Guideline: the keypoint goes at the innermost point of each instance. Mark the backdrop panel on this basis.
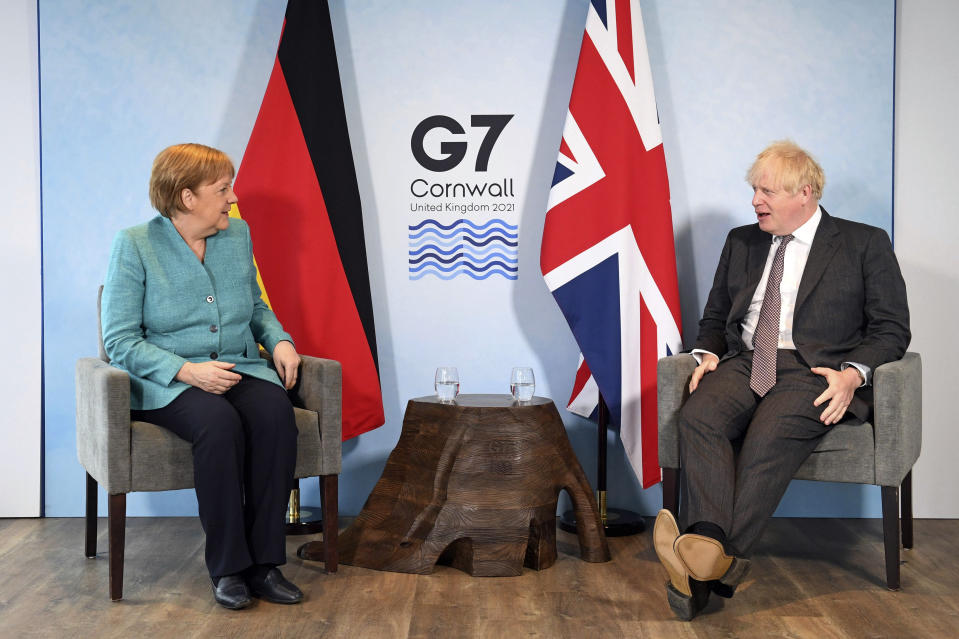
(118, 85)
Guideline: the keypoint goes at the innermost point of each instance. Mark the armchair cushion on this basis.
(124, 456)
(160, 460)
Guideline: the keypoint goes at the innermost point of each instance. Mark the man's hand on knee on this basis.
(842, 386)
(708, 365)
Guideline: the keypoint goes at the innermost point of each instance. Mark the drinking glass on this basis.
(446, 383)
(521, 383)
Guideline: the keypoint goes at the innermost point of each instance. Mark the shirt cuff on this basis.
(699, 352)
(863, 370)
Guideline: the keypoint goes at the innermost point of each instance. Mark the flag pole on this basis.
(616, 521)
(306, 520)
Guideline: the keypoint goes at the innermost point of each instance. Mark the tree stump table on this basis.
(473, 484)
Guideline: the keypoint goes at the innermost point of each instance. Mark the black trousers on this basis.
(740, 491)
(244, 456)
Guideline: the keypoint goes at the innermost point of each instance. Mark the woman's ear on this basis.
(187, 199)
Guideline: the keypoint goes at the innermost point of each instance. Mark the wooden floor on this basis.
(811, 578)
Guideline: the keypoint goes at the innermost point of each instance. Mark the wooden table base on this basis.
(473, 484)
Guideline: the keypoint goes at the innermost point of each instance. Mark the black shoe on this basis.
(274, 587)
(230, 591)
(726, 585)
(722, 590)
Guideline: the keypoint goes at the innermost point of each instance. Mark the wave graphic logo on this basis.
(463, 248)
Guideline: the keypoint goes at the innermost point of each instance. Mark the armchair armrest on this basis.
(897, 418)
(103, 423)
(672, 388)
(320, 389)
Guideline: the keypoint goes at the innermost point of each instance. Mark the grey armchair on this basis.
(126, 456)
(881, 453)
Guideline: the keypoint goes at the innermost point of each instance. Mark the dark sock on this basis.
(708, 529)
(258, 571)
(216, 580)
(721, 589)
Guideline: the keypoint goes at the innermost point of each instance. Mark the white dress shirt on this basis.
(794, 261)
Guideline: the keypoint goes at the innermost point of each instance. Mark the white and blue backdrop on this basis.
(119, 81)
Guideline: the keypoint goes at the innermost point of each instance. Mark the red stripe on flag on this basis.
(649, 434)
(296, 252)
(624, 35)
(582, 376)
(564, 149)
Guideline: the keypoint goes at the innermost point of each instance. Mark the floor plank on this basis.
(821, 578)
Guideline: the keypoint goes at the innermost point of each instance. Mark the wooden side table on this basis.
(474, 484)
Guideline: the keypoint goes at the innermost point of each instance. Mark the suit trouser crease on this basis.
(244, 457)
(740, 492)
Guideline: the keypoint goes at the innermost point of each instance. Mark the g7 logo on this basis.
(455, 151)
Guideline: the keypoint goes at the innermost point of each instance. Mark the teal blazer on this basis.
(163, 307)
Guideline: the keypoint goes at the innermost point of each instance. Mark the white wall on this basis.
(927, 137)
(20, 444)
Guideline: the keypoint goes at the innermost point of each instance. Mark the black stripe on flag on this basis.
(308, 58)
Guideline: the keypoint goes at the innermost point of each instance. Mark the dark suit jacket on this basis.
(850, 307)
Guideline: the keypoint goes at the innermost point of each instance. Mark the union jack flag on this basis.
(608, 254)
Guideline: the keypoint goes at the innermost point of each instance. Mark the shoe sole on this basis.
(277, 601)
(240, 606)
(665, 533)
(236, 607)
(703, 557)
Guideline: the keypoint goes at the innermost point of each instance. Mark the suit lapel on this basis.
(755, 263)
(758, 253)
(824, 246)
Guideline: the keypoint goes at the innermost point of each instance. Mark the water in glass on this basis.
(447, 383)
(521, 383)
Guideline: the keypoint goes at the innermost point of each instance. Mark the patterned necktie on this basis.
(766, 337)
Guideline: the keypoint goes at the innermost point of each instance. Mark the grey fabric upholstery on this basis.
(125, 456)
(881, 453)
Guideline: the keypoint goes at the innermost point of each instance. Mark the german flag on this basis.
(297, 190)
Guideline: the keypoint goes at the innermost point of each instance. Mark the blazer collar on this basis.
(182, 249)
(824, 246)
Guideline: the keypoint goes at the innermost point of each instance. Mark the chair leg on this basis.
(329, 499)
(890, 533)
(117, 523)
(671, 490)
(90, 538)
(906, 497)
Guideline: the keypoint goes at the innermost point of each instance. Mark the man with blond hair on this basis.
(803, 307)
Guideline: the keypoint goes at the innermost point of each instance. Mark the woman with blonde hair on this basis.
(182, 313)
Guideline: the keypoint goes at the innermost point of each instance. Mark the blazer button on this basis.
(213, 355)
(213, 328)
(209, 299)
